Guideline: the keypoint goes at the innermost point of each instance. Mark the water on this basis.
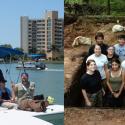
(53, 119)
(49, 82)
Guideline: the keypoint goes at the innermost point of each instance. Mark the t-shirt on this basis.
(120, 51)
(100, 62)
(91, 83)
(123, 64)
(110, 60)
(23, 92)
(103, 49)
(5, 95)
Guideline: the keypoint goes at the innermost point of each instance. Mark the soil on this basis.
(73, 58)
(77, 116)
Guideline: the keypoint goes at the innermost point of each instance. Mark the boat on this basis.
(16, 116)
(32, 65)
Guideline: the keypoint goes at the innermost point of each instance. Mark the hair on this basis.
(97, 45)
(89, 62)
(116, 61)
(121, 36)
(99, 34)
(110, 46)
(24, 73)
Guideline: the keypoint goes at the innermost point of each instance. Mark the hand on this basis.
(88, 103)
(12, 100)
(103, 93)
(116, 95)
(12, 85)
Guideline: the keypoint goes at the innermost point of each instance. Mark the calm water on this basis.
(49, 82)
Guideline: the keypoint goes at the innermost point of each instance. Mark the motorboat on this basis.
(8, 116)
(31, 65)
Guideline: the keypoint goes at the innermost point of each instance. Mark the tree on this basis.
(54, 48)
(87, 1)
(33, 50)
(42, 52)
(6, 45)
(20, 49)
(108, 7)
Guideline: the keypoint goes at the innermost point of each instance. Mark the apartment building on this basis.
(42, 35)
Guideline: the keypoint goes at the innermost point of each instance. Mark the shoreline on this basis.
(44, 61)
(53, 62)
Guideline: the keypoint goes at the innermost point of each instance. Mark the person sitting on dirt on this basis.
(120, 47)
(23, 93)
(115, 83)
(5, 94)
(111, 55)
(91, 85)
(99, 38)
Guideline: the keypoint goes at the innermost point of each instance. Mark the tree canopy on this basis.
(111, 7)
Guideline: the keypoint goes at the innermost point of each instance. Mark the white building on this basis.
(41, 35)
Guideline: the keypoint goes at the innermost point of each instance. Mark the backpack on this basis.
(33, 105)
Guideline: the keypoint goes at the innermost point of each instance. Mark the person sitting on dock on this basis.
(23, 93)
(5, 94)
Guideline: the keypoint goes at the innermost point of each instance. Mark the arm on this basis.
(105, 68)
(123, 82)
(32, 88)
(14, 90)
(87, 101)
(91, 50)
(3, 100)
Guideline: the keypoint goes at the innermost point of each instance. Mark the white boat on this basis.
(19, 117)
(31, 65)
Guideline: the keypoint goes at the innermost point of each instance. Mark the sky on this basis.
(12, 10)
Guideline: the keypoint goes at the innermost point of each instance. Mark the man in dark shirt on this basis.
(99, 37)
(99, 40)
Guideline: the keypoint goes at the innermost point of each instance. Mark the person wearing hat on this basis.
(5, 94)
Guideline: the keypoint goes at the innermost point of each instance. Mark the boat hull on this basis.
(8, 116)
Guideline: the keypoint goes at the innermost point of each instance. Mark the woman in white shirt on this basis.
(101, 61)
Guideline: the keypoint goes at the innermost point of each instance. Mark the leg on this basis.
(9, 105)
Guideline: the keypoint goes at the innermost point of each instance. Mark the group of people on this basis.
(21, 96)
(103, 83)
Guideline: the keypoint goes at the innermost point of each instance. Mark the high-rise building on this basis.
(42, 35)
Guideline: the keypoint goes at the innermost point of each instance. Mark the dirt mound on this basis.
(88, 28)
